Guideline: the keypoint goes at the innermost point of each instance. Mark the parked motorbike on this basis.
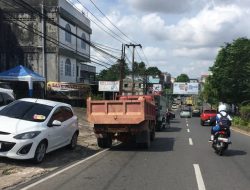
(221, 141)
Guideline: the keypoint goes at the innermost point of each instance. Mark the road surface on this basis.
(180, 158)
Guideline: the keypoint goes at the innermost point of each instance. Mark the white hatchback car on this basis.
(30, 128)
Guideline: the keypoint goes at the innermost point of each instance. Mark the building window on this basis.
(125, 85)
(67, 34)
(83, 43)
(67, 67)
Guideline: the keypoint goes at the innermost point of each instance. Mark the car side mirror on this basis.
(56, 123)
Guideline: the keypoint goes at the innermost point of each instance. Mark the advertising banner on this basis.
(109, 86)
(186, 88)
(64, 90)
(157, 88)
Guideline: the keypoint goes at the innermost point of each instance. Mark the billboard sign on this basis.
(186, 88)
(157, 88)
(65, 90)
(109, 86)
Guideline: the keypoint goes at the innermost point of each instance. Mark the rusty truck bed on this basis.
(119, 111)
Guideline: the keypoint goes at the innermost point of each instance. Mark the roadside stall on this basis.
(23, 74)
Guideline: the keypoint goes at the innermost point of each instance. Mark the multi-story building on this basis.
(167, 79)
(60, 56)
(138, 86)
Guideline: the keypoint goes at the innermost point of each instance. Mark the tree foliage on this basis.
(182, 78)
(209, 94)
(154, 71)
(112, 73)
(231, 72)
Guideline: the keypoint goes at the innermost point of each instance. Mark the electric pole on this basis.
(133, 60)
(43, 22)
(122, 61)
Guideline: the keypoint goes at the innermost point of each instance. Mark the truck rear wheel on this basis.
(152, 134)
(147, 140)
(104, 142)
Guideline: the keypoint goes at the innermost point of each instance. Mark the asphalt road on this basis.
(180, 158)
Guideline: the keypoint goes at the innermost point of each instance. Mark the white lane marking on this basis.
(199, 179)
(187, 124)
(191, 141)
(63, 170)
(188, 130)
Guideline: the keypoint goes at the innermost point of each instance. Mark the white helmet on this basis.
(222, 107)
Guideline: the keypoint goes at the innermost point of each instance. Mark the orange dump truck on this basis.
(128, 119)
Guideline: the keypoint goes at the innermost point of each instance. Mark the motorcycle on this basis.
(221, 141)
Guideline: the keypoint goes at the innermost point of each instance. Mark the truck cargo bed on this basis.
(119, 111)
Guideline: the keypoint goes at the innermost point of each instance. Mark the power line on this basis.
(50, 39)
(98, 44)
(145, 57)
(33, 10)
(120, 38)
(110, 20)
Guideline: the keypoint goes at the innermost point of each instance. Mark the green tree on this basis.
(209, 94)
(182, 78)
(231, 72)
(139, 69)
(154, 71)
(112, 73)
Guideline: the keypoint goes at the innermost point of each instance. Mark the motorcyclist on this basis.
(222, 111)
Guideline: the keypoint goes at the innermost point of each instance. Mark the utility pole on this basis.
(43, 22)
(122, 61)
(133, 60)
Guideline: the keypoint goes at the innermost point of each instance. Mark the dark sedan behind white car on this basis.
(30, 128)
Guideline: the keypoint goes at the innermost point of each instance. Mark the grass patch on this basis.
(9, 171)
(241, 123)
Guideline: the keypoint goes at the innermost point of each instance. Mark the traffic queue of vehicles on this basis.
(37, 126)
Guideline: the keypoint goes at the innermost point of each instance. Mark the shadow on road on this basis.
(175, 121)
(172, 129)
(158, 145)
(231, 152)
(57, 158)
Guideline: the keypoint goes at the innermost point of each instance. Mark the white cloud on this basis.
(211, 27)
(165, 6)
(197, 53)
(187, 44)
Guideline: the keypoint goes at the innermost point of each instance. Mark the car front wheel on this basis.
(73, 142)
(40, 152)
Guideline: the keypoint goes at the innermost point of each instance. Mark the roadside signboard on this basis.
(185, 88)
(157, 88)
(109, 86)
(65, 90)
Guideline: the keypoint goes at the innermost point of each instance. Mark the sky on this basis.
(177, 36)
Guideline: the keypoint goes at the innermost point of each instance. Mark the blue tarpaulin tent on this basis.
(21, 73)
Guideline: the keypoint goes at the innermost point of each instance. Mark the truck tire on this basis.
(104, 142)
(101, 142)
(147, 142)
(152, 134)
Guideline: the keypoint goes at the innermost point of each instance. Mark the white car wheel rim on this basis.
(41, 152)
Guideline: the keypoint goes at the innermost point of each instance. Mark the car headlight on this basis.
(28, 135)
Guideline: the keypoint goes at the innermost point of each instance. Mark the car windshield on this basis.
(28, 111)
